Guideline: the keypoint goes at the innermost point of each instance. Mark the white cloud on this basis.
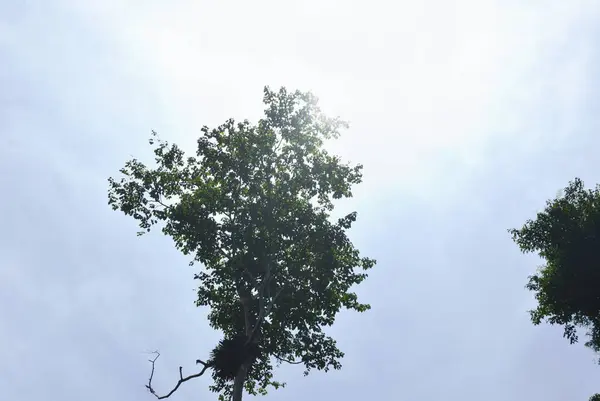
(424, 84)
(456, 108)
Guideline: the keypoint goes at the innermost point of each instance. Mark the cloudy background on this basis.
(467, 115)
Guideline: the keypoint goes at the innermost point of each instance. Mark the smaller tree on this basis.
(566, 235)
(595, 397)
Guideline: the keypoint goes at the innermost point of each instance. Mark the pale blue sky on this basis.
(467, 116)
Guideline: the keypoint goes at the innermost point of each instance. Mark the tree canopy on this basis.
(566, 236)
(253, 207)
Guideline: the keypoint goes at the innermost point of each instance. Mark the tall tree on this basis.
(566, 235)
(595, 397)
(253, 208)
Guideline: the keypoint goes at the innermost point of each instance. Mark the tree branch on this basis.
(245, 298)
(261, 297)
(157, 200)
(287, 360)
(264, 312)
(181, 380)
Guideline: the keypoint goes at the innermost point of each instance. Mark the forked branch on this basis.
(181, 380)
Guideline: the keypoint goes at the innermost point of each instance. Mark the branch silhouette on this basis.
(181, 380)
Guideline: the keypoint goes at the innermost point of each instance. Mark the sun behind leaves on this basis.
(253, 207)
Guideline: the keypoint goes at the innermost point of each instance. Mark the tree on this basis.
(595, 397)
(254, 207)
(567, 288)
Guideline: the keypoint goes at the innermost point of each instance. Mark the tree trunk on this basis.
(238, 383)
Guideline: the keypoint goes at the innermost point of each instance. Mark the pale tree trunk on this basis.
(238, 383)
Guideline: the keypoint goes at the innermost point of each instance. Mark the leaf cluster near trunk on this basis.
(230, 354)
(566, 235)
(253, 207)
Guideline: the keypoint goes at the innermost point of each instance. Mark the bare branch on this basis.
(244, 299)
(157, 201)
(278, 144)
(182, 379)
(261, 295)
(264, 311)
(250, 275)
(287, 360)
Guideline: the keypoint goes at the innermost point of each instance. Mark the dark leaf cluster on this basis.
(229, 355)
(566, 235)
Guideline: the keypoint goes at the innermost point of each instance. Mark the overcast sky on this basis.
(467, 115)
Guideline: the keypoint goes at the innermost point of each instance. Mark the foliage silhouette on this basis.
(566, 236)
(253, 208)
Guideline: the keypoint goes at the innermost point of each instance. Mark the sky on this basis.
(467, 116)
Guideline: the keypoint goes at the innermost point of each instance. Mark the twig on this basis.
(287, 360)
(182, 379)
